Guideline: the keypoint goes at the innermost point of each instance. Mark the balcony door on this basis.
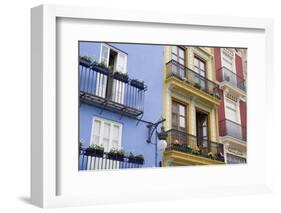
(233, 126)
(178, 55)
(110, 88)
(229, 72)
(200, 70)
(179, 122)
(202, 130)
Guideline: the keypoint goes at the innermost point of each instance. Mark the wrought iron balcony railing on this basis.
(184, 142)
(104, 161)
(111, 90)
(233, 129)
(177, 70)
(226, 75)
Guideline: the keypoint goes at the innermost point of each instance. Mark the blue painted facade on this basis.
(144, 62)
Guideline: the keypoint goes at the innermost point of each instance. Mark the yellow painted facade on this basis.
(195, 99)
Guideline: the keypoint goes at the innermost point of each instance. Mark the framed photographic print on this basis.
(149, 106)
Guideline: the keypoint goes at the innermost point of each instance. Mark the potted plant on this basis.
(95, 150)
(220, 157)
(211, 155)
(101, 68)
(116, 154)
(198, 86)
(80, 144)
(85, 60)
(196, 151)
(131, 157)
(121, 76)
(139, 159)
(137, 83)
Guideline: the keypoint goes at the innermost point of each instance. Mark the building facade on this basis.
(190, 101)
(231, 72)
(120, 95)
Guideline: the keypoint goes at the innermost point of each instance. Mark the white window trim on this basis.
(118, 53)
(223, 53)
(102, 120)
(237, 108)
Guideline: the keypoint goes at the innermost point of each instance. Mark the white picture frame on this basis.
(46, 161)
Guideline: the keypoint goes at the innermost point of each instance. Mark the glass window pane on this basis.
(181, 53)
(97, 125)
(196, 62)
(181, 61)
(182, 122)
(115, 132)
(175, 50)
(182, 110)
(202, 65)
(106, 130)
(174, 57)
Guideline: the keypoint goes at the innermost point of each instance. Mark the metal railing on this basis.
(233, 129)
(175, 69)
(184, 142)
(105, 161)
(226, 75)
(111, 90)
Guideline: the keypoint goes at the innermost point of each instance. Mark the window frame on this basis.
(119, 52)
(112, 123)
(178, 55)
(178, 116)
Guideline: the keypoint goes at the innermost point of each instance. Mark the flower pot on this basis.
(102, 70)
(137, 84)
(84, 62)
(121, 77)
(94, 152)
(139, 160)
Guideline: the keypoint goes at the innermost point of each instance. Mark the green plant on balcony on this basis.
(81, 143)
(211, 155)
(137, 83)
(197, 85)
(121, 76)
(95, 150)
(139, 158)
(116, 154)
(196, 151)
(87, 59)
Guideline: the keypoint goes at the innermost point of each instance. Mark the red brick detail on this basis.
(243, 113)
(218, 65)
(239, 66)
(221, 111)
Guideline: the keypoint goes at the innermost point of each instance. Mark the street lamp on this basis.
(160, 137)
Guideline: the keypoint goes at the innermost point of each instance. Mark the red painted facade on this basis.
(239, 66)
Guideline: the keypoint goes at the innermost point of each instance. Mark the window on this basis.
(200, 68)
(178, 116)
(106, 133)
(178, 55)
(231, 112)
(117, 60)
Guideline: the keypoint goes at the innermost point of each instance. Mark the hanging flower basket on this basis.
(138, 84)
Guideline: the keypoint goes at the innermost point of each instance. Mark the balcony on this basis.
(111, 90)
(186, 143)
(189, 77)
(229, 77)
(233, 129)
(92, 161)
